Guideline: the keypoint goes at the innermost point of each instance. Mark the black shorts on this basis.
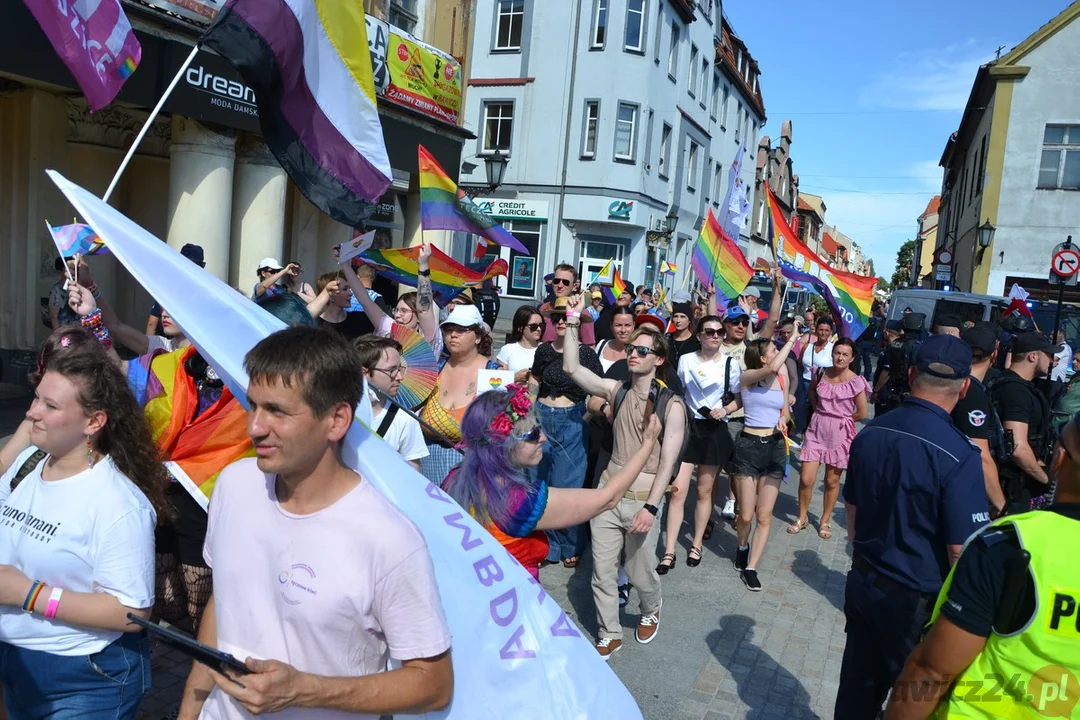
(185, 534)
(758, 456)
(709, 444)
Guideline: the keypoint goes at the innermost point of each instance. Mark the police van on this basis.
(935, 303)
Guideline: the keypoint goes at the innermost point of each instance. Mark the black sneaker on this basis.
(624, 594)
(749, 577)
(742, 558)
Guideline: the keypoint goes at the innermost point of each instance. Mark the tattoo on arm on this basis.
(423, 292)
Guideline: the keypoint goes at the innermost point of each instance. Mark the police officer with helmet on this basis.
(900, 354)
(1007, 633)
(914, 494)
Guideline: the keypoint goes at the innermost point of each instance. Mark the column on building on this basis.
(201, 190)
(258, 211)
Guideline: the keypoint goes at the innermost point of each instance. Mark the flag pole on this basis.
(149, 121)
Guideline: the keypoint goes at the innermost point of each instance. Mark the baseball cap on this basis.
(951, 321)
(893, 325)
(596, 294)
(465, 316)
(944, 356)
(734, 313)
(1031, 342)
(980, 339)
(269, 263)
(913, 321)
(647, 319)
(751, 291)
(194, 253)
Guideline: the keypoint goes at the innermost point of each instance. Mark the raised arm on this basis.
(750, 378)
(769, 328)
(131, 338)
(271, 281)
(374, 312)
(82, 301)
(426, 310)
(567, 507)
(322, 300)
(712, 301)
(585, 378)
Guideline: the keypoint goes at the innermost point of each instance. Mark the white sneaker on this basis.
(729, 509)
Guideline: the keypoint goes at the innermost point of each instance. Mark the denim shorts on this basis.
(107, 685)
(758, 456)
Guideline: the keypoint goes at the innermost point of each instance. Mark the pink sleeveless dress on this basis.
(828, 438)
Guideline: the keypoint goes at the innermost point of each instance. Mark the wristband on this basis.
(651, 508)
(32, 596)
(54, 603)
(572, 313)
(94, 324)
(425, 273)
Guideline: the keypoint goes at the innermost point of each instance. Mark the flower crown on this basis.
(517, 408)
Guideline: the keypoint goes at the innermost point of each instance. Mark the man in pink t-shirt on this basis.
(318, 579)
(562, 284)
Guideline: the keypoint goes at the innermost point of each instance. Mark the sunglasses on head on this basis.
(712, 332)
(641, 350)
(534, 326)
(561, 281)
(529, 436)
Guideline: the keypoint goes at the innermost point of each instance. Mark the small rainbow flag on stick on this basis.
(445, 206)
(719, 261)
(448, 278)
(76, 239)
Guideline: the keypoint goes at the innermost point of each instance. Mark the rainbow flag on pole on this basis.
(718, 261)
(448, 278)
(445, 206)
(848, 295)
(309, 65)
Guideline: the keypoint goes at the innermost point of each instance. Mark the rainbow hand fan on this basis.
(421, 366)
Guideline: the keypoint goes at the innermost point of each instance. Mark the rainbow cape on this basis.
(848, 295)
(445, 206)
(448, 278)
(719, 262)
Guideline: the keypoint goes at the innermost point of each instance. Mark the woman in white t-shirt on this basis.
(77, 543)
(383, 369)
(517, 355)
(818, 354)
(707, 375)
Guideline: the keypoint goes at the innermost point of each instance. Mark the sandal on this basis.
(693, 558)
(825, 531)
(664, 566)
(708, 530)
(798, 526)
(571, 562)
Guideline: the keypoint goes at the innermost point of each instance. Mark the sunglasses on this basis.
(457, 329)
(562, 281)
(641, 350)
(556, 319)
(712, 332)
(530, 435)
(534, 326)
(740, 321)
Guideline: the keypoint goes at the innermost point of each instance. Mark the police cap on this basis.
(951, 321)
(893, 325)
(1031, 342)
(944, 356)
(913, 321)
(981, 339)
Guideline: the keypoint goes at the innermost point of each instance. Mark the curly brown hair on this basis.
(63, 340)
(125, 436)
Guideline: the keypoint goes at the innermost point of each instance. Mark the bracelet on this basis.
(94, 324)
(572, 313)
(54, 603)
(424, 273)
(32, 596)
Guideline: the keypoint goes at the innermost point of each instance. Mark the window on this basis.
(659, 24)
(648, 139)
(673, 52)
(692, 168)
(704, 87)
(1060, 166)
(665, 148)
(625, 131)
(635, 26)
(522, 280)
(509, 17)
(716, 180)
(691, 82)
(599, 32)
(723, 108)
(738, 122)
(745, 126)
(974, 176)
(498, 123)
(708, 169)
(403, 14)
(595, 255)
(982, 168)
(715, 94)
(592, 121)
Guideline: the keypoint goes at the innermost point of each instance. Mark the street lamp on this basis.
(986, 234)
(495, 168)
(670, 222)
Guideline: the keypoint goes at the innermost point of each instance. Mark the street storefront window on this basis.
(498, 126)
(510, 17)
(1060, 166)
(595, 254)
(522, 278)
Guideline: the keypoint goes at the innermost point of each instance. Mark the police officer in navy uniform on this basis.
(976, 417)
(914, 493)
(901, 353)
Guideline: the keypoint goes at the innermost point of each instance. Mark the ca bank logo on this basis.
(620, 209)
(296, 583)
(486, 206)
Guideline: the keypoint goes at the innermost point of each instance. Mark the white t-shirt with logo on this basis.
(92, 532)
(334, 593)
(704, 381)
(516, 357)
(404, 435)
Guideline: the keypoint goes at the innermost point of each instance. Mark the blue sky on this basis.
(873, 90)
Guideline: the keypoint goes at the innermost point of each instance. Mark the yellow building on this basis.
(926, 244)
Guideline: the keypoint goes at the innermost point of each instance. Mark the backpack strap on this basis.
(620, 395)
(28, 467)
(727, 375)
(388, 420)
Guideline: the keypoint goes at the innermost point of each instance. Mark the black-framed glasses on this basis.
(712, 332)
(529, 435)
(534, 326)
(641, 350)
(392, 372)
(556, 319)
(562, 281)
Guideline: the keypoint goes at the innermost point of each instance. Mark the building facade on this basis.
(619, 120)
(202, 175)
(775, 168)
(1015, 162)
(924, 273)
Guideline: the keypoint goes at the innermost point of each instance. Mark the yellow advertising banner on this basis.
(423, 77)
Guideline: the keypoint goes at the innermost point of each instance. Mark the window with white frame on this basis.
(738, 122)
(703, 91)
(625, 131)
(673, 52)
(599, 33)
(665, 148)
(691, 81)
(634, 39)
(723, 108)
(509, 18)
(708, 174)
(715, 95)
(648, 138)
(716, 180)
(592, 122)
(692, 167)
(657, 33)
(498, 125)
(746, 126)
(1060, 165)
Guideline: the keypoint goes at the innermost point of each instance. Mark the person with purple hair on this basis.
(502, 439)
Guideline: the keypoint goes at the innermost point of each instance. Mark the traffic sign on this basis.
(1064, 264)
(944, 256)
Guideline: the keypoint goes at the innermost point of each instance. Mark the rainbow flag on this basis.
(448, 278)
(76, 239)
(718, 261)
(848, 295)
(445, 206)
(618, 285)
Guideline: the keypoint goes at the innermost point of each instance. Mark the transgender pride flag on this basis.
(95, 41)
